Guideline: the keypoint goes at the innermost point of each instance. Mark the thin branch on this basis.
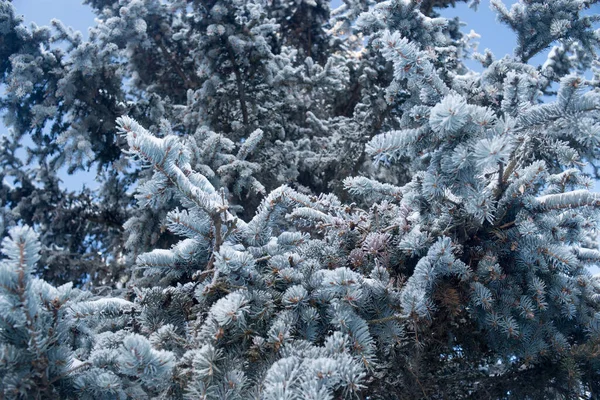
(386, 319)
(85, 364)
(161, 43)
(239, 83)
(418, 382)
(507, 225)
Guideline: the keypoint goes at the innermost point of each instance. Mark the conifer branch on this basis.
(240, 84)
(161, 43)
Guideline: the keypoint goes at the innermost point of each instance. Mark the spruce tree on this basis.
(300, 203)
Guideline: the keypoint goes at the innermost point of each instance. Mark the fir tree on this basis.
(300, 203)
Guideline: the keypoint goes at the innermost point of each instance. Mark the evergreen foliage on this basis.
(300, 203)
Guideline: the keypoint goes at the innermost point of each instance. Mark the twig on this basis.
(265, 258)
(239, 83)
(85, 364)
(389, 228)
(163, 48)
(507, 225)
(386, 319)
(418, 382)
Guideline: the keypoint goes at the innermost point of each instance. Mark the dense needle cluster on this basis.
(300, 202)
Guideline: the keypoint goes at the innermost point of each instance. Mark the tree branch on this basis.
(239, 82)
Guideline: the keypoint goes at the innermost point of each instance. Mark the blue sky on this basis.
(72, 12)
